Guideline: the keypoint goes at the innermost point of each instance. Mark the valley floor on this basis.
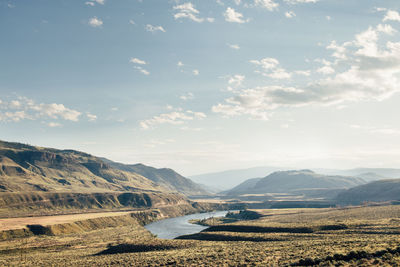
(358, 236)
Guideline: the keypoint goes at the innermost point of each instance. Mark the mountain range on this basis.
(228, 179)
(294, 181)
(26, 168)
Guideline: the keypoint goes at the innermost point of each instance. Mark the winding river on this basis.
(174, 227)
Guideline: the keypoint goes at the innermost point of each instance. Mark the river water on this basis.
(174, 227)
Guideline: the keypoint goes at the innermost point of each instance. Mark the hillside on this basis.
(292, 181)
(25, 168)
(384, 190)
(165, 177)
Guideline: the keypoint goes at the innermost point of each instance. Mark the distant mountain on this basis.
(227, 179)
(25, 168)
(246, 186)
(368, 174)
(292, 181)
(384, 190)
(165, 177)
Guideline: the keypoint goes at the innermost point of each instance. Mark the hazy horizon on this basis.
(205, 86)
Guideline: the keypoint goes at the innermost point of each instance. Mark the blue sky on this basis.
(208, 85)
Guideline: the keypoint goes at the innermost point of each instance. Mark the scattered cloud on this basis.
(268, 4)
(91, 117)
(95, 22)
(151, 28)
(187, 10)
(232, 16)
(369, 70)
(234, 46)
(392, 15)
(270, 67)
(142, 70)
(137, 66)
(294, 2)
(176, 117)
(54, 124)
(303, 72)
(235, 81)
(94, 2)
(135, 60)
(27, 109)
(326, 68)
(188, 96)
(290, 14)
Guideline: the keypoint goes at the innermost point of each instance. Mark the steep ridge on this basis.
(25, 168)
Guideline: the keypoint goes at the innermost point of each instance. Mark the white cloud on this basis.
(57, 110)
(290, 14)
(392, 15)
(91, 117)
(95, 22)
(303, 72)
(25, 108)
(369, 71)
(236, 80)
(234, 46)
(232, 16)
(54, 124)
(177, 117)
(328, 17)
(93, 2)
(135, 60)
(196, 72)
(132, 22)
(270, 68)
(268, 4)
(142, 70)
(151, 28)
(180, 64)
(339, 50)
(187, 10)
(294, 2)
(188, 96)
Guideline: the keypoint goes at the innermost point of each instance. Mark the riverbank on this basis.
(282, 238)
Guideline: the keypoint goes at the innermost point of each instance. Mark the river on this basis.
(174, 227)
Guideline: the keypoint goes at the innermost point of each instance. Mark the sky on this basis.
(205, 85)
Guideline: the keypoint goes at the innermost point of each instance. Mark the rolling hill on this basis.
(25, 168)
(294, 181)
(377, 191)
(227, 179)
